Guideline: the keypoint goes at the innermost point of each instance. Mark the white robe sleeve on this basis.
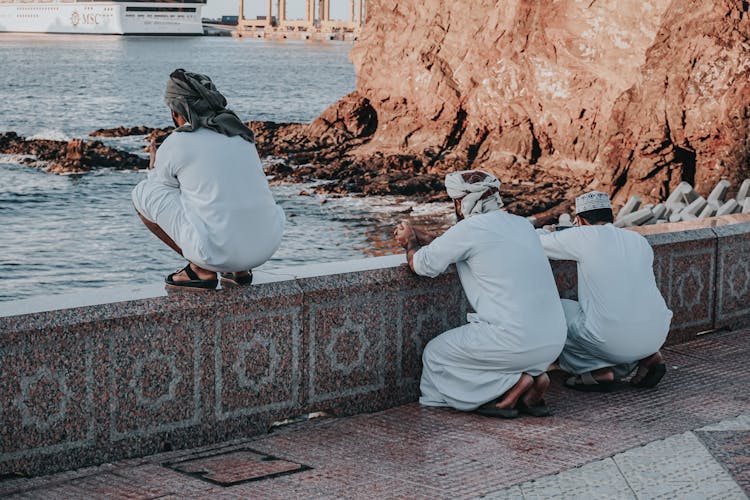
(151, 196)
(453, 246)
(164, 171)
(563, 245)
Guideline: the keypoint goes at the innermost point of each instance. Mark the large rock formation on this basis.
(626, 95)
(553, 96)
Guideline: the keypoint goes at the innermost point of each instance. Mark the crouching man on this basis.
(496, 363)
(620, 319)
(206, 196)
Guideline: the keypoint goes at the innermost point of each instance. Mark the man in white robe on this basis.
(206, 195)
(620, 319)
(496, 363)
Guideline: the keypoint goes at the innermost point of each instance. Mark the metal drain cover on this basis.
(236, 467)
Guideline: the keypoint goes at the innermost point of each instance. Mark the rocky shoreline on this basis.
(553, 100)
(327, 152)
(76, 156)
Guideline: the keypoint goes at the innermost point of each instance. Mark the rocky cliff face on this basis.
(553, 96)
(626, 95)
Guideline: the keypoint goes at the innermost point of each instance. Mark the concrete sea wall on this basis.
(96, 377)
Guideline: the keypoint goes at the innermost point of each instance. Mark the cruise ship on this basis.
(102, 17)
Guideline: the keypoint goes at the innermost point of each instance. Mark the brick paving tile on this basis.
(679, 466)
(714, 346)
(739, 423)
(732, 450)
(601, 479)
(418, 452)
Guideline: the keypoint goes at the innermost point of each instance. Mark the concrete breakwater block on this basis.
(729, 207)
(685, 204)
(637, 218)
(744, 191)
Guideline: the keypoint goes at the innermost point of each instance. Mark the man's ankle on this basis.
(653, 359)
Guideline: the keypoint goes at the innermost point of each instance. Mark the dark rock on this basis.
(75, 156)
(122, 131)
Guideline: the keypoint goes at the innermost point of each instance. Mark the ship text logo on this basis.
(89, 19)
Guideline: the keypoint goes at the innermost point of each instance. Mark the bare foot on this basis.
(604, 375)
(535, 395)
(510, 398)
(203, 274)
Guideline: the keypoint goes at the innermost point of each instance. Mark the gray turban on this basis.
(194, 97)
(477, 190)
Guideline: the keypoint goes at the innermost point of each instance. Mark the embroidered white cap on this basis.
(592, 200)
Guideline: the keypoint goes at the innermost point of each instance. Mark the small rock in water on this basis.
(122, 131)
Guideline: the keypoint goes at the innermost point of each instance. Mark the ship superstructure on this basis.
(100, 17)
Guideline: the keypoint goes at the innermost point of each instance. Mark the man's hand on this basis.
(152, 152)
(404, 233)
(407, 238)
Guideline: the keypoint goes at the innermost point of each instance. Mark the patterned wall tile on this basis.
(46, 395)
(685, 271)
(566, 278)
(691, 287)
(257, 362)
(347, 345)
(733, 277)
(154, 377)
(426, 314)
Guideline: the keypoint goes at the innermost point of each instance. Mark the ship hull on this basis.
(102, 18)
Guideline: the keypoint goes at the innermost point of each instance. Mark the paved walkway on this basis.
(689, 438)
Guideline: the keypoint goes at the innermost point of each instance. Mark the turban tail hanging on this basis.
(194, 97)
(477, 190)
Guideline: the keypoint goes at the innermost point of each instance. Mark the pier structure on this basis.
(317, 22)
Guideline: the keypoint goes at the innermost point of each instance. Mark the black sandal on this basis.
(538, 410)
(490, 410)
(233, 279)
(194, 283)
(587, 383)
(648, 378)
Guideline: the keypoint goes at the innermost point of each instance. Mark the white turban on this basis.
(593, 200)
(477, 190)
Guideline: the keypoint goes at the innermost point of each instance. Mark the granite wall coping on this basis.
(708, 222)
(109, 374)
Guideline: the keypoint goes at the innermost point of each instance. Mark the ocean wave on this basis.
(14, 159)
(51, 135)
(436, 208)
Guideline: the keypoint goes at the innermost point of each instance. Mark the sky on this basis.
(295, 8)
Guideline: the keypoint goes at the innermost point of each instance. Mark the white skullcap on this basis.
(593, 200)
(477, 190)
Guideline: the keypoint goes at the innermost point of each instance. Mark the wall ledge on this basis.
(101, 375)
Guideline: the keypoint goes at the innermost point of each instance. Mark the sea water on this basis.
(65, 232)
